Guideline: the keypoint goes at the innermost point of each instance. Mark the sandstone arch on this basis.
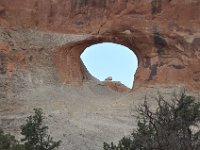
(70, 54)
(165, 38)
(157, 62)
(40, 46)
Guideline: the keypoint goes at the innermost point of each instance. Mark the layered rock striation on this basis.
(164, 34)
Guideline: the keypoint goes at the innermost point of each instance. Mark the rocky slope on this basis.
(40, 46)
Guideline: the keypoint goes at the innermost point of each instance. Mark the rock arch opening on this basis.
(111, 63)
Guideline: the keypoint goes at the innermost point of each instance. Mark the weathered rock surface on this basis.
(116, 86)
(40, 46)
(164, 34)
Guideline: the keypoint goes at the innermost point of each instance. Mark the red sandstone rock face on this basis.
(164, 34)
(117, 86)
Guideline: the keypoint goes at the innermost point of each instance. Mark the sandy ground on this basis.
(82, 117)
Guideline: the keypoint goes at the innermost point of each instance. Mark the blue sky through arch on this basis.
(110, 59)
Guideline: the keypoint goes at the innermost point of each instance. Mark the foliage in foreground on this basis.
(8, 142)
(173, 126)
(35, 136)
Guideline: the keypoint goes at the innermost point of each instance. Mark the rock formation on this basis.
(164, 34)
(40, 46)
(115, 85)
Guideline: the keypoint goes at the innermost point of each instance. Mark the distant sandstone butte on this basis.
(164, 34)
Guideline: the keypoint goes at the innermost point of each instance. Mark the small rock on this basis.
(108, 78)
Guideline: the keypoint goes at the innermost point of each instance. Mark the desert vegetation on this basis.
(173, 125)
(35, 135)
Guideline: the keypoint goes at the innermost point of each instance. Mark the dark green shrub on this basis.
(167, 128)
(35, 136)
(8, 142)
(35, 133)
